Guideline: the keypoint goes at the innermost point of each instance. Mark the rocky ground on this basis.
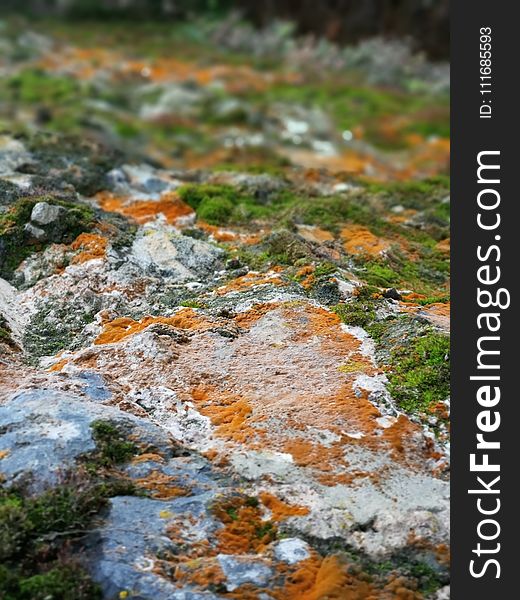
(224, 321)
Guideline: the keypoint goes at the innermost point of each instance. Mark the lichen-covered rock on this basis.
(224, 351)
(44, 433)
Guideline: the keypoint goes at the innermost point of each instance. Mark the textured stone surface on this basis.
(245, 276)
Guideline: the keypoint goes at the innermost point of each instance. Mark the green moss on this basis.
(34, 86)
(5, 332)
(357, 313)
(64, 582)
(192, 303)
(252, 501)
(194, 194)
(377, 274)
(213, 203)
(427, 578)
(256, 261)
(419, 373)
(275, 167)
(34, 532)
(112, 445)
(216, 210)
(409, 192)
(14, 244)
(224, 204)
(329, 213)
(367, 292)
(431, 300)
(232, 513)
(428, 273)
(324, 269)
(266, 530)
(15, 526)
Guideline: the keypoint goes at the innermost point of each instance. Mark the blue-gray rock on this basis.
(120, 553)
(44, 213)
(43, 432)
(244, 569)
(94, 386)
(292, 550)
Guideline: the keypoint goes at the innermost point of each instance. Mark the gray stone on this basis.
(291, 550)
(177, 256)
(94, 386)
(121, 553)
(44, 432)
(35, 233)
(244, 569)
(44, 213)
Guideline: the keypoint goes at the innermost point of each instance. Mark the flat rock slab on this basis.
(44, 432)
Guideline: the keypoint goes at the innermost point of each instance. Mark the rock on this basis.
(251, 434)
(35, 233)
(44, 213)
(327, 292)
(179, 257)
(443, 593)
(240, 570)
(44, 432)
(94, 387)
(392, 294)
(15, 319)
(176, 99)
(292, 550)
(120, 554)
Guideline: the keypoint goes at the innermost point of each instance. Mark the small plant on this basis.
(33, 538)
(112, 447)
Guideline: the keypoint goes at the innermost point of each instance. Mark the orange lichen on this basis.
(320, 579)
(255, 313)
(118, 329)
(315, 234)
(305, 276)
(147, 456)
(247, 281)
(228, 413)
(143, 211)
(200, 572)
(443, 246)
(244, 529)
(280, 510)
(59, 365)
(162, 486)
(307, 453)
(360, 240)
(437, 313)
(91, 245)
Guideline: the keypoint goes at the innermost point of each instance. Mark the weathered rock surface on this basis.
(236, 382)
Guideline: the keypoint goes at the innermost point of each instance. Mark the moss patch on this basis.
(416, 358)
(112, 445)
(224, 204)
(15, 245)
(420, 373)
(34, 538)
(356, 313)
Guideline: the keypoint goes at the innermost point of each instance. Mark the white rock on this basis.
(292, 550)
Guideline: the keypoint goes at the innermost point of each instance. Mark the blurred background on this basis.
(342, 21)
(357, 87)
